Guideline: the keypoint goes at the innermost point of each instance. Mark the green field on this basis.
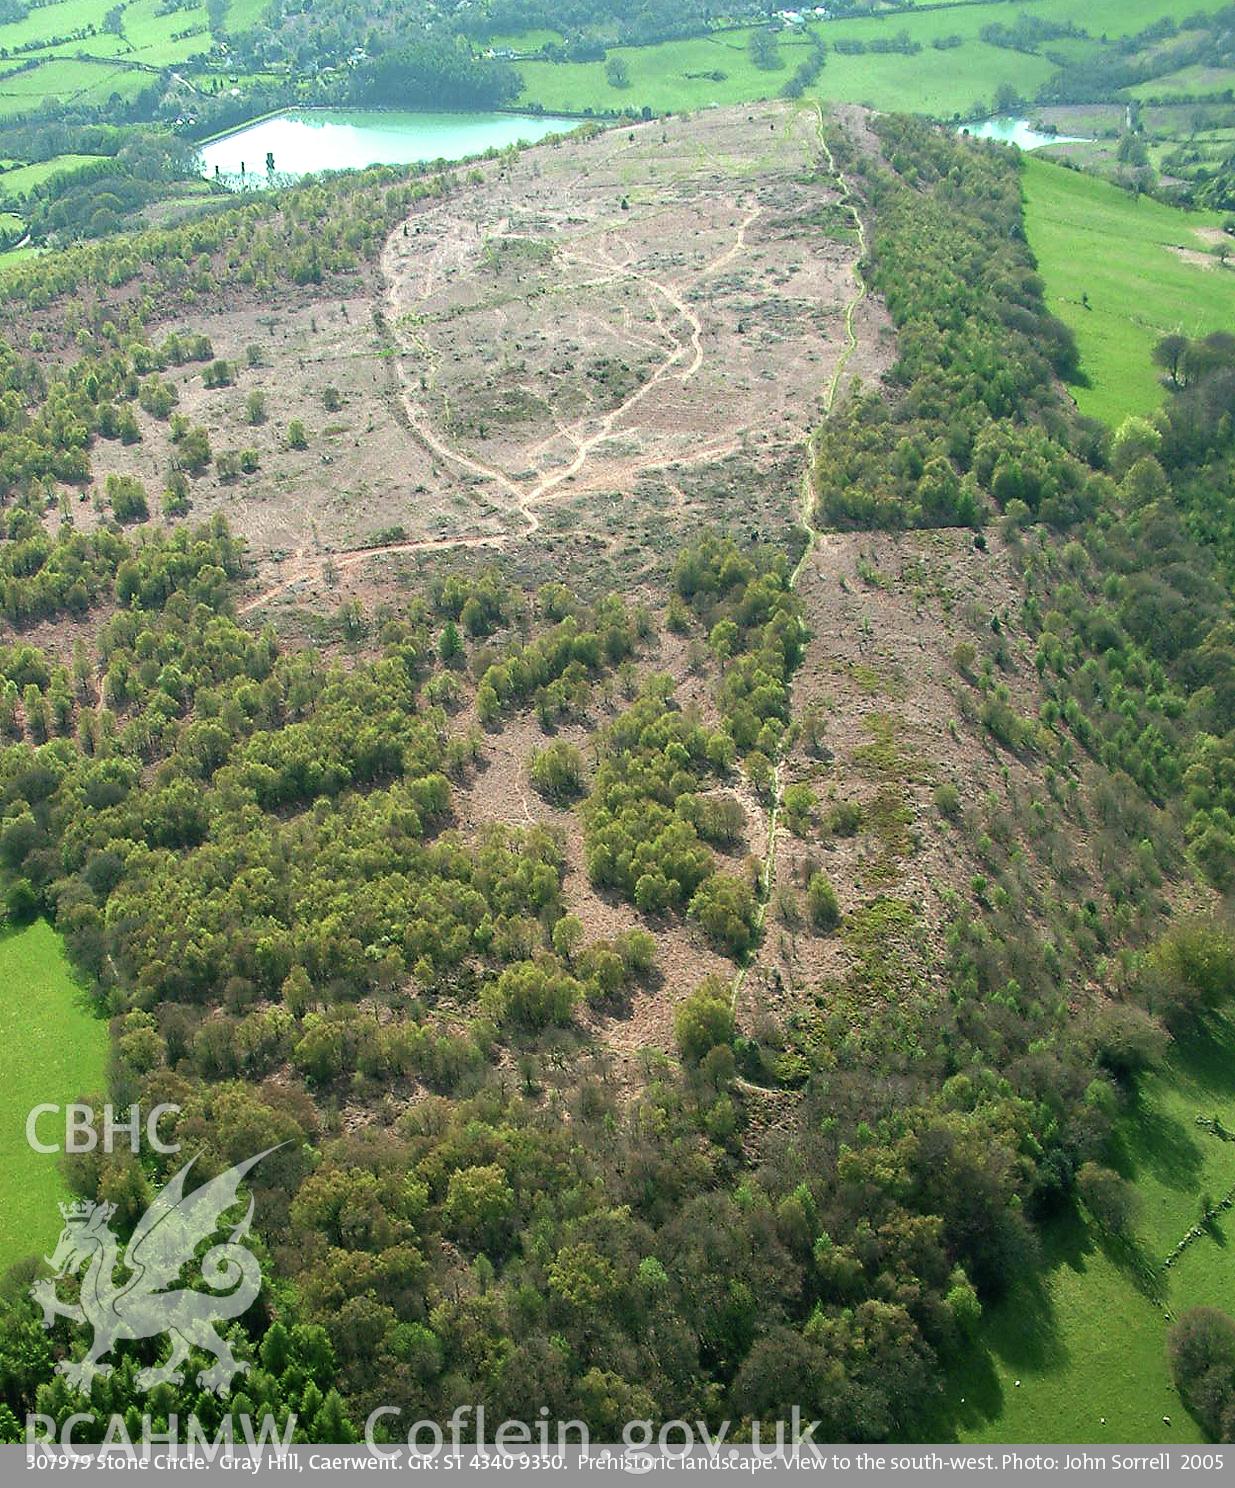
(242, 14)
(57, 1052)
(13, 258)
(68, 79)
(1192, 82)
(59, 19)
(23, 179)
(947, 83)
(1173, 1161)
(145, 26)
(1093, 239)
(1084, 1344)
(1090, 1342)
(958, 81)
(151, 32)
(669, 77)
(89, 69)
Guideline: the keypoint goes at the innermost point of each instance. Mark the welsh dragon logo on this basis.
(147, 1303)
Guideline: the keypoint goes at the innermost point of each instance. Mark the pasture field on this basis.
(1091, 1342)
(57, 1052)
(61, 19)
(1122, 273)
(100, 47)
(1174, 1161)
(69, 79)
(956, 81)
(12, 258)
(674, 76)
(65, 37)
(1067, 1351)
(125, 82)
(1113, 18)
(64, 25)
(1186, 82)
(960, 80)
(152, 34)
(75, 65)
(23, 179)
(62, 76)
(951, 82)
(243, 13)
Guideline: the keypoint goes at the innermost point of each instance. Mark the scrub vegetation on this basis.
(610, 706)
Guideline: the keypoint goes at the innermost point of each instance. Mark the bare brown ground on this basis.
(584, 348)
(639, 304)
(1195, 257)
(575, 365)
(886, 613)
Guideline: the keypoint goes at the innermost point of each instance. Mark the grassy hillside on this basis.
(956, 80)
(1083, 1344)
(57, 1052)
(23, 179)
(673, 76)
(72, 64)
(1122, 273)
(1090, 1341)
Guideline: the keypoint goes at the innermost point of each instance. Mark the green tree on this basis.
(127, 497)
(531, 996)
(568, 937)
(725, 907)
(557, 771)
(821, 904)
(219, 374)
(798, 803)
(479, 1208)
(704, 1021)
(1110, 1199)
(764, 50)
(1202, 1353)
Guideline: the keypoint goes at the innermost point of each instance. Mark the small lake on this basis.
(305, 140)
(1018, 132)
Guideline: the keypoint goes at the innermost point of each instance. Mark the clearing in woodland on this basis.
(599, 342)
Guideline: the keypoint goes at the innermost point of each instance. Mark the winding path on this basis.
(527, 496)
(586, 434)
(767, 875)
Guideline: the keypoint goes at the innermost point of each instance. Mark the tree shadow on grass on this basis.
(1169, 1146)
(1020, 1332)
(87, 995)
(1215, 1231)
(1205, 1056)
(1133, 1260)
(971, 1397)
(1147, 1139)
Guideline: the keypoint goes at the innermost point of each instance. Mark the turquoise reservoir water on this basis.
(305, 140)
(1018, 132)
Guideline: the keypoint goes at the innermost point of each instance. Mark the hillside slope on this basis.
(692, 813)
